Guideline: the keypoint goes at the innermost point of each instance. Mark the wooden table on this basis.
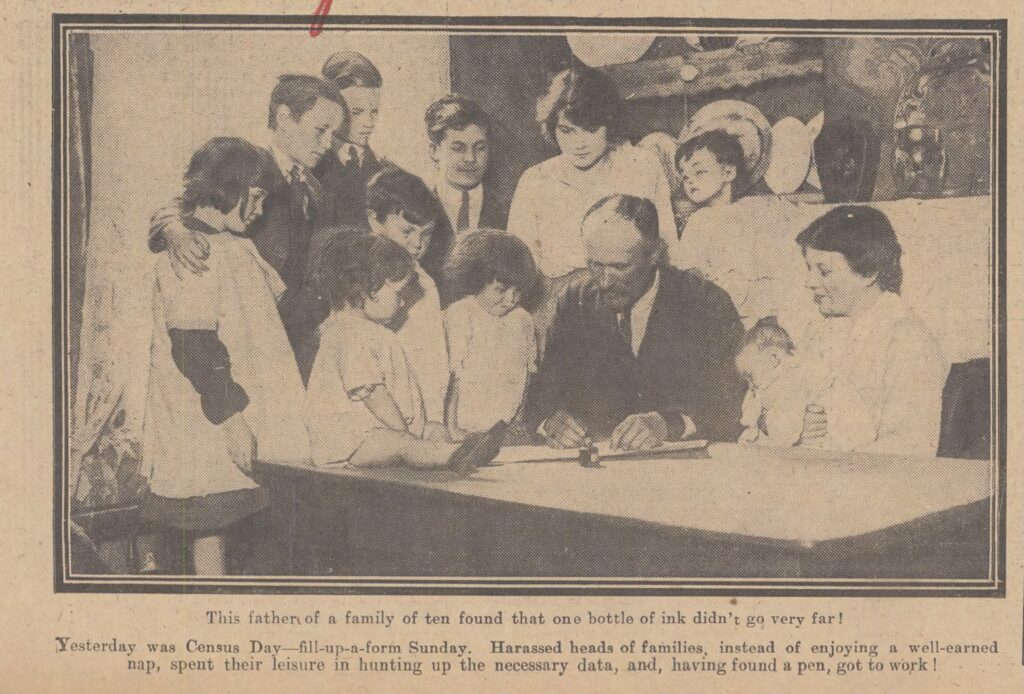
(731, 512)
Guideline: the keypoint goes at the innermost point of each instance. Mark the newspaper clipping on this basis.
(556, 347)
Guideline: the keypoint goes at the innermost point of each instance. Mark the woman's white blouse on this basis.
(884, 366)
(553, 197)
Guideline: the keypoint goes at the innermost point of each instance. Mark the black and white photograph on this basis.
(513, 306)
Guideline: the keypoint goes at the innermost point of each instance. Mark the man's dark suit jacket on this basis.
(493, 215)
(283, 235)
(684, 366)
(345, 185)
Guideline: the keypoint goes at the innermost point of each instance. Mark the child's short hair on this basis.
(222, 171)
(350, 69)
(484, 256)
(355, 265)
(395, 191)
(767, 333)
(726, 148)
(299, 93)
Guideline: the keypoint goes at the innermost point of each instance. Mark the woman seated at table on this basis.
(580, 115)
(870, 355)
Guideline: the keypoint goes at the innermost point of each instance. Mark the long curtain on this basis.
(79, 123)
(103, 470)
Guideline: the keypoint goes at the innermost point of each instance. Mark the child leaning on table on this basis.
(223, 382)
(492, 344)
(773, 408)
(364, 405)
(779, 392)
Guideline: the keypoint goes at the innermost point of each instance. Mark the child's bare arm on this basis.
(452, 411)
(384, 408)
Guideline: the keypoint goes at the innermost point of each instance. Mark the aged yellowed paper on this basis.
(460, 347)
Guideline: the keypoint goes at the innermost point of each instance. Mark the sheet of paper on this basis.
(546, 454)
(727, 569)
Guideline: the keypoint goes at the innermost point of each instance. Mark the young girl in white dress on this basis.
(492, 344)
(364, 405)
(223, 383)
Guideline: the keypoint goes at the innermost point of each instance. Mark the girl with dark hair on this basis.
(871, 355)
(580, 115)
(223, 381)
(364, 405)
(492, 346)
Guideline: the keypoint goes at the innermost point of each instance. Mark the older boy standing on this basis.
(460, 146)
(348, 167)
(304, 112)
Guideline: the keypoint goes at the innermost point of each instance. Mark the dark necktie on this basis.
(626, 327)
(462, 223)
(300, 193)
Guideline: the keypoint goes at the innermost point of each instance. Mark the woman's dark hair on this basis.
(484, 256)
(726, 148)
(222, 171)
(453, 112)
(587, 98)
(299, 93)
(396, 191)
(355, 265)
(864, 236)
(351, 69)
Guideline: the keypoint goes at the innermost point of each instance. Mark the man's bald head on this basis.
(624, 248)
(640, 212)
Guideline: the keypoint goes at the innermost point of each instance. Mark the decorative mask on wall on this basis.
(919, 163)
(941, 124)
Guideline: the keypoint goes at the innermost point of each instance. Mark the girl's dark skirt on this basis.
(210, 513)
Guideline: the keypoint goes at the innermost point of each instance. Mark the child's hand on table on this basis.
(749, 435)
(456, 434)
(435, 431)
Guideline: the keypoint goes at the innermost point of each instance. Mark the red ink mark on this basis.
(322, 10)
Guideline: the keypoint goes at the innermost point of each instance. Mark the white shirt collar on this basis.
(349, 151)
(451, 199)
(285, 163)
(641, 313)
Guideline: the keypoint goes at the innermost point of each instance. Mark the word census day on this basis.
(468, 347)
